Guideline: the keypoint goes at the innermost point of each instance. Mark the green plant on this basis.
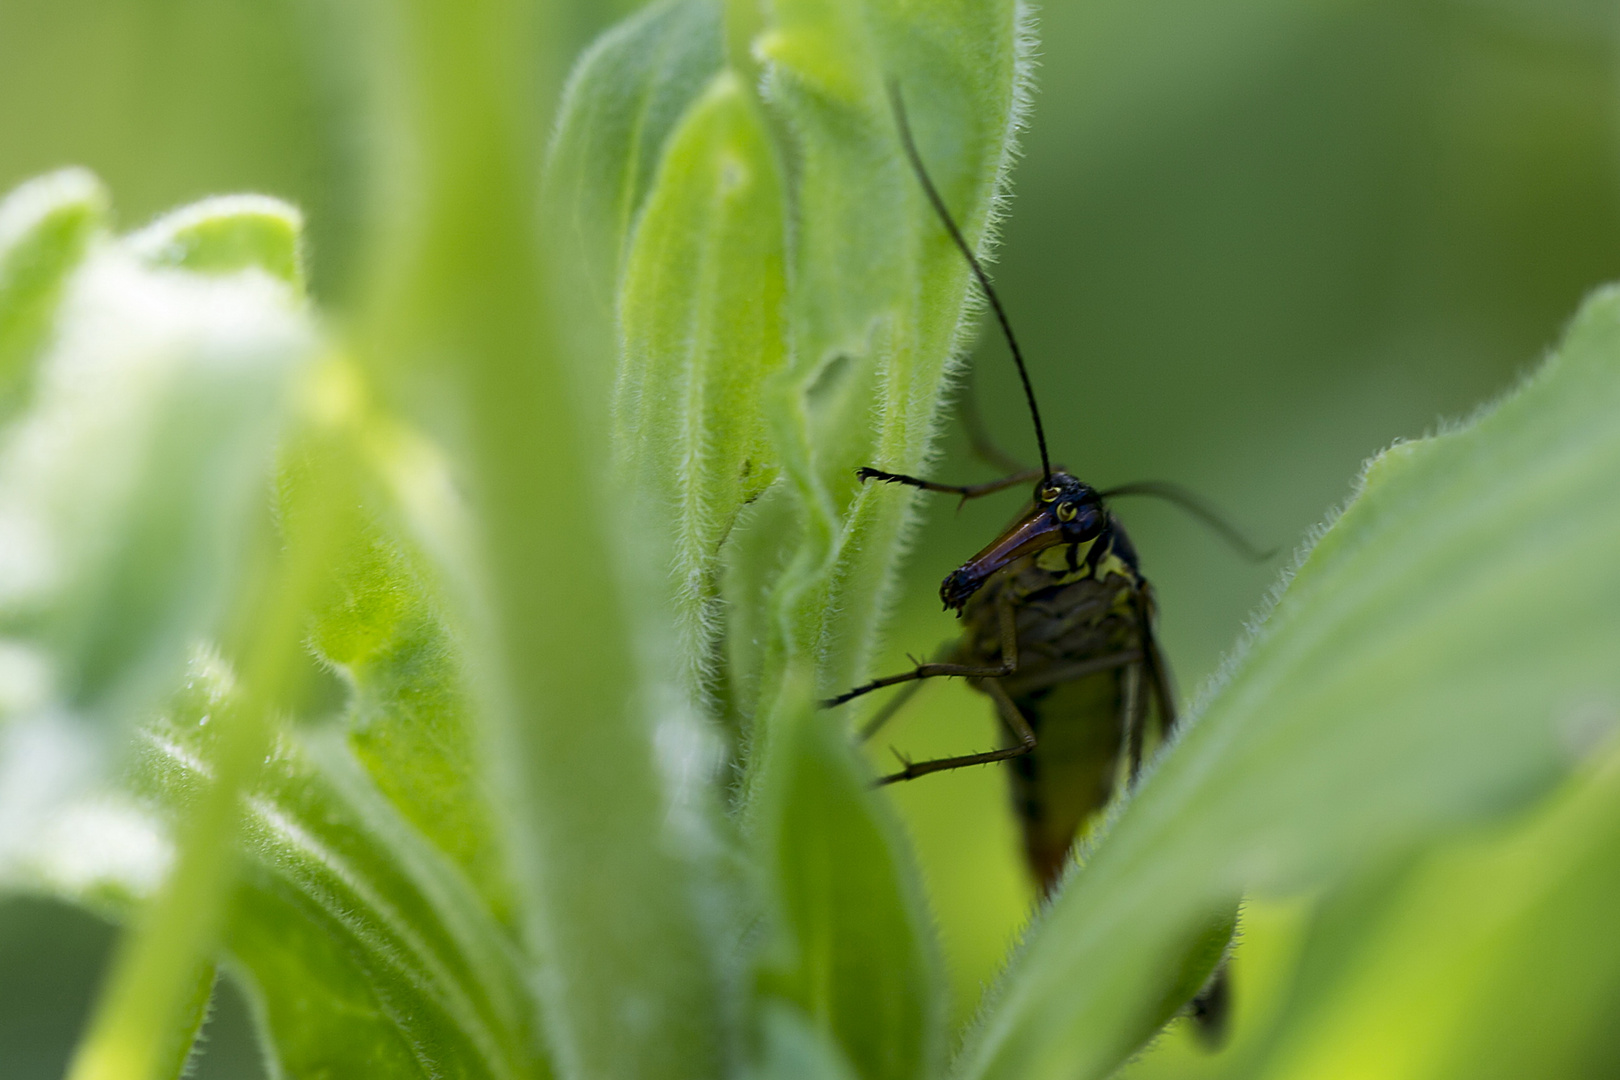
(447, 676)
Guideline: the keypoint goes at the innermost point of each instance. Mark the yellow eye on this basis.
(1049, 494)
(1067, 511)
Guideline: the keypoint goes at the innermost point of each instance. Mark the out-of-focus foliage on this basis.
(1455, 958)
(361, 949)
(438, 661)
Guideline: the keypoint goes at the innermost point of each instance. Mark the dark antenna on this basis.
(973, 262)
(1198, 507)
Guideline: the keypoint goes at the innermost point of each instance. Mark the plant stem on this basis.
(460, 308)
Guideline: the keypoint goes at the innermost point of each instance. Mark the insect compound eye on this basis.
(1067, 511)
(1050, 494)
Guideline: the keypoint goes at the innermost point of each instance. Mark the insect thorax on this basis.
(1070, 601)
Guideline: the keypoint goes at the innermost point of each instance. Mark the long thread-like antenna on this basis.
(1198, 507)
(973, 262)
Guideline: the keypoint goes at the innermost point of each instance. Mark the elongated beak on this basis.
(1036, 532)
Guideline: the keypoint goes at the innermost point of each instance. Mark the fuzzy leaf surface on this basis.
(607, 778)
(225, 234)
(879, 293)
(411, 716)
(702, 310)
(876, 304)
(626, 95)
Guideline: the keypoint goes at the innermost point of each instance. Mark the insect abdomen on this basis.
(1078, 719)
(1071, 776)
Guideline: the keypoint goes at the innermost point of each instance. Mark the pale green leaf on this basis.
(876, 304)
(625, 96)
(225, 234)
(795, 1050)
(1436, 659)
(126, 488)
(365, 950)
(878, 293)
(46, 226)
(609, 780)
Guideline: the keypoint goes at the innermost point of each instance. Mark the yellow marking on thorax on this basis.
(1055, 560)
(1111, 564)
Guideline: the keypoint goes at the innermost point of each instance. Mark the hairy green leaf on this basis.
(876, 302)
(365, 950)
(608, 779)
(878, 291)
(795, 1050)
(626, 95)
(1436, 659)
(410, 717)
(703, 327)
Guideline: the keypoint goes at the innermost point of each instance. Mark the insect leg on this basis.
(921, 671)
(1008, 665)
(885, 714)
(1010, 714)
(898, 702)
(1133, 711)
(1158, 672)
(966, 491)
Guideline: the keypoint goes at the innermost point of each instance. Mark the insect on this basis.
(1058, 630)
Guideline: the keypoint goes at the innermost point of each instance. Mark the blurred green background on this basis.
(1252, 242)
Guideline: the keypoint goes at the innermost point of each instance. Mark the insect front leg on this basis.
(1008, 665)
(966, 491)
